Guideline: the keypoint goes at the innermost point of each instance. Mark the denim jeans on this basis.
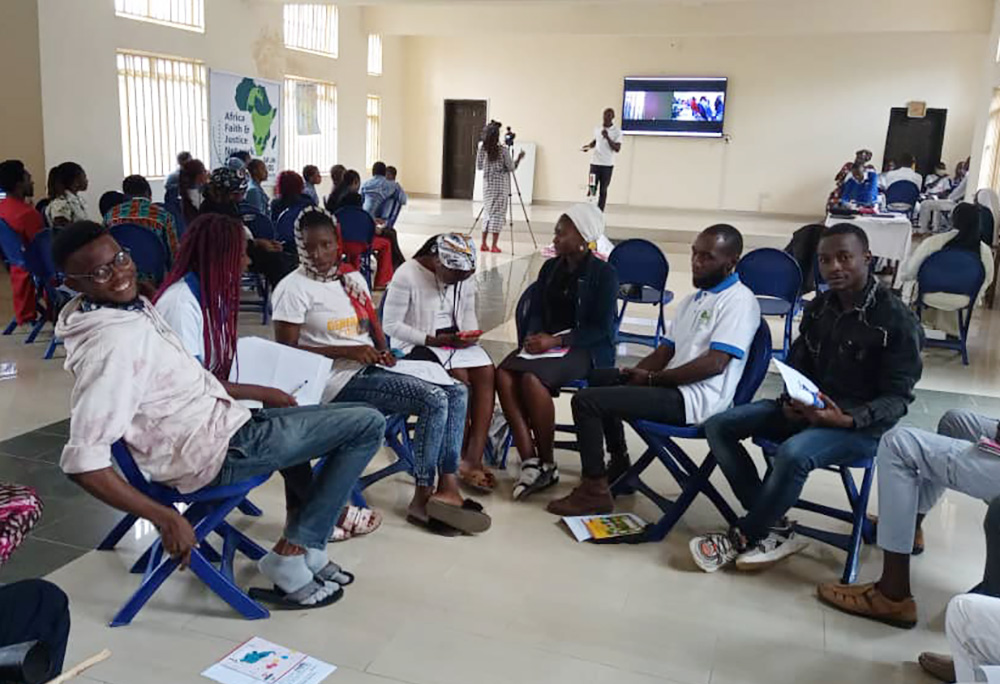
(440, 412)
(276, 439)
(802, 450)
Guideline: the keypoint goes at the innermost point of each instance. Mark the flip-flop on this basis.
(332, 572)
(476, 481)
(356, 522)
(434, 526)
(469, 517)
(283, 600)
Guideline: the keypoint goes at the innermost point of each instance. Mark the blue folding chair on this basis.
(148, 251)
(38, 257)
(206, 511)
(173, 207)
(284, 227)
(693, 479)
(861, 527)
(13, 254)
(901, 197)
(776, 279)
(262, 228)
(642, 276)
(952, 271)
(357, 226)
(260, 225)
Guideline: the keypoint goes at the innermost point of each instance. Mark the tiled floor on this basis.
(523, 603)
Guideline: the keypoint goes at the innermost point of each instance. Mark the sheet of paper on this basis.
(989, 674)
(798, 386)
(470, 357)
(425, 370)
(258, 660)
(556, 353)
(299, 373)
(578, 527)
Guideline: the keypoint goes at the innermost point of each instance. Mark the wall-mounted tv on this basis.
(674, 106)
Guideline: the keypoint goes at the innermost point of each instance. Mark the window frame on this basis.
(373, 153)
(376, 46)
(197, 9)
(334, 11)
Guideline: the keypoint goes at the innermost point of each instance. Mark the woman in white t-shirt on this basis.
(325, 307)
(204, 285)
(430, 314)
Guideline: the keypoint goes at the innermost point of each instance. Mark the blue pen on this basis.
(296, 390)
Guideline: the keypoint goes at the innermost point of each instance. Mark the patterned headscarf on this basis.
(225, 180)
(456, 252)
(364, 308)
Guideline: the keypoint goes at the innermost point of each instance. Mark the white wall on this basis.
(20, 82)
(798, 107)
(78, 39)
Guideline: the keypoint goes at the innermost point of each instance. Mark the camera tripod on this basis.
(510, 206)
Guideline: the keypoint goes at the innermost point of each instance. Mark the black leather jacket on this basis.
(867, 359)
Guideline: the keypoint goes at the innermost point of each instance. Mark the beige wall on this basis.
(80, 87)
(798, 107)
(20, 83)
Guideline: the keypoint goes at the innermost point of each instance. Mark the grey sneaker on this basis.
(535, 476)
(775, 547)
(716, 550)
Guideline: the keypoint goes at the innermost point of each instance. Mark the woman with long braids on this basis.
(496, 164)
(325, 307)
(200, 299)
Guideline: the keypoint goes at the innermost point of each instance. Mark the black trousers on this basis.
(36, 610)
(603, 176)
(599, 410)
(272, 265)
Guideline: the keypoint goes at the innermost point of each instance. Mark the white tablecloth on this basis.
(887, 237)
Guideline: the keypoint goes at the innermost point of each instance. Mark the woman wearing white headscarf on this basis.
(572, 307)
(430, 314)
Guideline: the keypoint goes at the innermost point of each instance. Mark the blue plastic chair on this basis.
(641, 264)
(148, 252)
(693, 479)
(38, 257)
(13, 254)
(861, 527)
(284, 227)
(173, 206)
(901, 197)
(776, 279)
(952, 271)
(357, 225)
(262, 228)
(206, 511)
(260, 225)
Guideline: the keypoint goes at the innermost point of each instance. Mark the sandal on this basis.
(334, 573)
(469, 517)
(865, 600)
(481, 481)
(356, 522)
(434, 526)
(294, 600)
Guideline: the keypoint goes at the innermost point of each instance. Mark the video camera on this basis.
(494, 125)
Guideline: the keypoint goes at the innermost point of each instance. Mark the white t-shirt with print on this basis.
(724, 318)
(604, 154)
(182, 311)
(327, 318)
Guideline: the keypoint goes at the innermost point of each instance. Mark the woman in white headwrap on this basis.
(430, 314)
(572, 307)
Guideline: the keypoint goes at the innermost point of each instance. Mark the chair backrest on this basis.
(11, 245)
(148, 251)
(356, 225)
(640, 262)
(284, 229)
(902, 192)
(952, 271)
(38, 258)
(521, 312)
(758, 359)
(987, 197)
(260, 225)
(770, 272)
(173, 208)
(123, 459)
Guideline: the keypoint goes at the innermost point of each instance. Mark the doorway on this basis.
(463, 123)
(923, 137)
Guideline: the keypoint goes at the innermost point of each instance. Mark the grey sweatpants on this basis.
(915, 467)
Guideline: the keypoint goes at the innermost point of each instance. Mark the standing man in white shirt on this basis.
(606, 144)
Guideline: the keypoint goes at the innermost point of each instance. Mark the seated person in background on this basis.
(16, 211)
(861, 346)
(941, 313)
(905, 170)
(135, 381)
(172, 184)
(689, 378)
(915, 468)
(337, 172)
(389, 230)
(109, 200)
(938, 183)
(346, 194)
(325, 307)
(239, 160)
(430, 314)
(289, 194)
(312, 178)
(933, 212)
(66, 205)
(256, 195)
(204, 285)
(972, 624)
(193, 180)
(860, 188)
(572, 307)
(888, 166)
(862, 157)
(382, 196)
(138, 209)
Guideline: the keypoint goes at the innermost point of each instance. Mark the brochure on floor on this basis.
(258, 660)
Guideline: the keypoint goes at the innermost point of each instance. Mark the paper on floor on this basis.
(258, 660)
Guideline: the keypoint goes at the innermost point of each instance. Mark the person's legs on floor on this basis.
(481, 383)
(383, 256)
(36, 610)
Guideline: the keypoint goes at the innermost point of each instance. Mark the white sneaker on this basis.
(769, 550)
(715, 550)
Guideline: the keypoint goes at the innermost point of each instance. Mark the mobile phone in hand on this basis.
(469, 334)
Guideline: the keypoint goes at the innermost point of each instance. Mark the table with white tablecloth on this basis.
(888, 237)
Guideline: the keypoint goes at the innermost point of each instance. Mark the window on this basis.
(989, 174)
(310, 124)
(186, 14)
(373, 134)
(164, 110)
(374, 54)
(312, 28)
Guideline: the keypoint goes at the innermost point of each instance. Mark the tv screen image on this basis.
(674, 106)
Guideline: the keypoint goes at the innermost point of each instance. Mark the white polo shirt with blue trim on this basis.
(725, 318)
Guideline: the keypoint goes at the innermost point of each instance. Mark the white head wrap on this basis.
(589, 222)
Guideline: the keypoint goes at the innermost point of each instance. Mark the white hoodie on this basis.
(134, 380)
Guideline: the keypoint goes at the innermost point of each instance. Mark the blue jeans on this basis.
(802, 450)
(440, 412)
(275, 439)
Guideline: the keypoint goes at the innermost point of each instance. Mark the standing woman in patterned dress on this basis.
(496, 164)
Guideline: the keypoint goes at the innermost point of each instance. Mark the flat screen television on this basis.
(674, 106)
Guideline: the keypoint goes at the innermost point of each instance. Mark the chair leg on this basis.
(51, 349)
(226, 589)
(247, 507)
(244, 544)
(358, 497)
(146, 589)
(11, 327)
(116, 534)
(858, 528)
(36, 328)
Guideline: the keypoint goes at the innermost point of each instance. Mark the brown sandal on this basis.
(480, 481)
(865, 600)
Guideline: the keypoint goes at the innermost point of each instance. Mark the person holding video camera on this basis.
(606, 144)
(496, 163)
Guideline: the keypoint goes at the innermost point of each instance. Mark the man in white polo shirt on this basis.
(688, 379)
(606, 144)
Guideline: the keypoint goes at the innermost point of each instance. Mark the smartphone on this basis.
(470, 334)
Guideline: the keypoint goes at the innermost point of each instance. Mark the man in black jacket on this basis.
(861, 346)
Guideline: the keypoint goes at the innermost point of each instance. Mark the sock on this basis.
(326, 570)
(289, 573)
